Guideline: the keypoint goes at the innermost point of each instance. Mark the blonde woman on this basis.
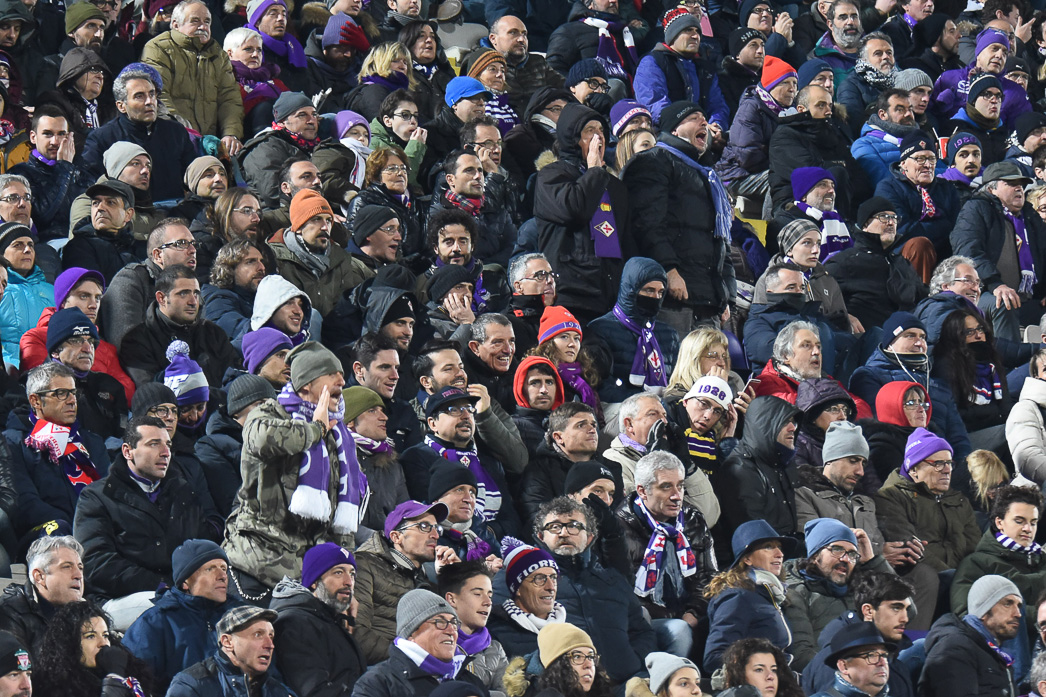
(386, 68)
(631, 144)
(704, 351)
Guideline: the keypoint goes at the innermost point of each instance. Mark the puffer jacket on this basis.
(748, 150)
(821, 287)
(24, 301)
(953, 86)
(176, 632)
(959, 661)
(817, 497)
(673, 223)
(637, 534)
(739, 613)
(219, 454)
(811, 397)
(758, 474)
(774, 383)
(316, 655)
(765, 322)
(524, 79)
(344, 273)
(262, 537)
(489, 665)
(198, 83)
(1026, 431)
(622, 342)
(566, 197)
(399, 675)
(946, 523)
(22, 614)
(382, 578)
(664, 76)
(216, 676)
(876, 155)
(229, 308)
(908, 205)
(989, 557)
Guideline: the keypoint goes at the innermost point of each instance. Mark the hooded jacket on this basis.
(566, 197)
(812, 396)
(621, 341)
(887, 435)
(1026, 431)
(24, 301)
(759, 474)
(529, 139)
(279, 291)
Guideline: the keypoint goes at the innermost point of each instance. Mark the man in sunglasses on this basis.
(391, 565)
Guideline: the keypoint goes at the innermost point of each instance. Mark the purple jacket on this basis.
(951, 88)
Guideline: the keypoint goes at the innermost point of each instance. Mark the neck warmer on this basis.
(37, 155)
(370, 446)
(306, 144)
(394, 81)
(872, 76)
(768, 100)
(488, 498)
(910, 21)
(480, 295)
(441, 670)
(543, 122)
(993, 643)
(648, 365)
(629, 443)
(651, 570)
(317, 264)
(476, 549)
(835, 590)
(533, 623)
(881, 126)
(980, 119)
(151, 488)
(499, 109)
(954, 175)
(468, 204)
(608, 53)
(311, 498)
(1028, 276)
(571, 373)
(702, 448)
(257, 82)
(724, 210)
(835, 235)
(474, 643)
(287, 47)
(1033, 550)
(63, 447)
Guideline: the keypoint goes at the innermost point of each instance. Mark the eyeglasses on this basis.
(844, 553)
(976, 282)
(395, 169)
(489, 144)
(573, 527)
(390, 229)
(705, 405)
(925, 159)
(16, 198)
(886, 218)
(180, 245)
(95, 71)
(424, 526)
(540, 580)
(1041, 626)
(873, 658)
(979, 329)
(553, 109)
(163, 412)
(442, 623)
(915, 404)
(105, 3)
(78, 341)
(248, 211)
(597, 85)
(840, 410)
(190, 408)
(543, 277)
(992, 96)
(578, 658)
(407, 115)
(940, 465)
(716, 356)
(459, 409)
(61, 394)
(762, 11)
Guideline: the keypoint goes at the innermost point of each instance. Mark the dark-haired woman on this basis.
(760, 664)
(571, 665)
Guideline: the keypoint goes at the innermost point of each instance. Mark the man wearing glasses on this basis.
(391, 565)
(861, 658)
(295, 133)
(596, 600)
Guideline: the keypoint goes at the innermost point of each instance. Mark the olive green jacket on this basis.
(1028, 572)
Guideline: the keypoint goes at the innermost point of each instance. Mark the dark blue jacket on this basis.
(664, 76)
(879, 370)
(932, 311)
(908, 205)
(739, 613)
(217, 677)
(219, 454)
(748, 150)
(53, 188)
(399, 676)
(229, 308)
(44, 492)
(856, 94)
(817, 676)
(176, 632)
(621, 341)
(766, 321)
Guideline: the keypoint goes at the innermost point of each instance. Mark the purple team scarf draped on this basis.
(608, 53)
(480, 295)
(768, 100)
(499, 109)
(257, 82)
(311, 499)
(474, 643)
(648, 364)
(987, 385)
(40, 156)
(370, 446)
(603, 229)
(488, 498)
(884, 136)
(724, 210)
(441, 670)
(835, 237)
(395, 81)
(476, 549)
(1024, 257)
(571, 373)
(652, 565)
(287, 47)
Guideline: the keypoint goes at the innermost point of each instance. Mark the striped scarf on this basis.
(652, 567)
(1033, 550)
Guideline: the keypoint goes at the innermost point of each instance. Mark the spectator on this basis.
(490, 357)
(980, 116)
(295, 132)
(301, 436)
(530, 603)
(751, 666)
(229, 298)
(861, 657)
(389, 566)
(939, 35)
(245, 652)
(174, 315)
(200, 84)
(29, 292)
(177, 631)
(525, 72)
(467, 534)
(315, 650)
(564, 651)
(265, 352)
(900, 407)
(538, 390)
(280, 305)
(269, 18)
(878, 147)
(465, 99)
(637, 418)
(378, 235)
(467, 588)
(536, 136)
(334, 54)
(816, 190)
(488, 66)
(962, 653)
(17, 666)
(205, 180)
(105, 243)
(49, 493)
(79, 92)
(451, 292)
(1030, 133)
(839, 47)
(742, 64)
(590, 24)
(964, 165)
(377, 367)
(875, 71)
(258, 82)
(55, 578)
(919, 86)
(533, 289)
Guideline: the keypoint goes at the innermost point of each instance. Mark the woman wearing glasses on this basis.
(387, 179)
(823, 401)
(900, 408)
(571, 664)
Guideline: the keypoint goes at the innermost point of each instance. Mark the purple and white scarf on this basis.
(1028, 276)
(441, 670)
(488, 498)
(768, 100)
(653, 558)
(370, 446)
(607, 53)
(1033, 550)
(311, 498)
(648, 364)
(835, 236)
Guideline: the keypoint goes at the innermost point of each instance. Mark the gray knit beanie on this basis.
(662, 666)
(117, 155)
(310, 361)
(417, 607)
(911, 78)
(843, 439)
(988, 590)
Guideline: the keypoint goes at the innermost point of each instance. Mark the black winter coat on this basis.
(128, 540)
(260, 161)
(734, 79)
(497, 232)
(105, 254)
(219, 454)
(758, 474)
(673, 223)
(54, 187)
(22, 613)
(315, 653)
(545, 478)
(532, 424)
(960, 662)
(575, 40)
(876, 282)
(499, 385)
(410, 217)
(398, 676)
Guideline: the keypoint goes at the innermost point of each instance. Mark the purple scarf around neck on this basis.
(287, 47)
(474, 643)
(572, 376)
(441, 670)
(257, 81)
(311, 498)
(648, 364)
(488, 498)
(768, 100)
(395, 81)
(370, 446)
(1024, 257)
(40, 156)
(480, 295)
(476, 549)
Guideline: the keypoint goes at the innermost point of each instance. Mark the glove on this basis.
(600, 102)
(112, 660)
(605, 518)
(657, 438)
(353, 37)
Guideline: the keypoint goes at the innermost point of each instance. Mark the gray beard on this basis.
(844, 44)
(324, 596)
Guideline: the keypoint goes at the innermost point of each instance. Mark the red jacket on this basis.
(774, 384)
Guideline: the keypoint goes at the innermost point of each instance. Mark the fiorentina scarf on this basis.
(768, 100)
(488, 498)
(607, 52)
(42, 158)
(441, 670)
(475, 643)
(475, 548)
(978, 625)
(652, 565)
(305, 144)
(987, 386)
(311, 499)
(1033, 550)
(603, 229)
(724, 210)
(1024, 258)
(480, 295)
(499, 109)
(648, 365)
(63, 447)
(571, 373)
(929, 208)
(835, 236)
(884, 136)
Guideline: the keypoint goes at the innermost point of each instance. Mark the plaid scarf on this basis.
(306, 144)
(468, 204)
(63, 447)
(488, 498)
(652, 566)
